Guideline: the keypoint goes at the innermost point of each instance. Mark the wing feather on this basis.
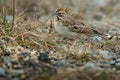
(82, 28)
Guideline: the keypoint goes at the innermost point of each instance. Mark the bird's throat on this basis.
(58, 18)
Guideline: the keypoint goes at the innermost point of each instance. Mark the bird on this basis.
(67, 26)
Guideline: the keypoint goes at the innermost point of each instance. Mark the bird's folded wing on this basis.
(82, 28)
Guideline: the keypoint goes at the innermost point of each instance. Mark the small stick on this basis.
(14, 12)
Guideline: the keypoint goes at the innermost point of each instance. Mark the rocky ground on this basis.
(32, 50)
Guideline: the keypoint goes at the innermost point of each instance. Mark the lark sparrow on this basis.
(68, 27)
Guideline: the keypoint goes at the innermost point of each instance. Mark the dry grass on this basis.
(32, 29)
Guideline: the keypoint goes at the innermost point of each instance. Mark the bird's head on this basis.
(59, 13)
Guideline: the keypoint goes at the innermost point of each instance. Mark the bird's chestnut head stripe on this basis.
(60, 10)
(59, 13)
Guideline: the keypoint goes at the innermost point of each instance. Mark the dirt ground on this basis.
(32, 50)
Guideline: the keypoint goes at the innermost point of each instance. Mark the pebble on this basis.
(2, 72)
(115, 62)
(62, 63)
(90, 66)
(7, 60)
(24, 55)
(2, 42)
(101, 3)
(16, 71)
(9, 18)
(98, 38)
(16, 65)
(43, 56)
(15, 78)
(105, 54)
(72, 69)
(112, 62)
(118, 64)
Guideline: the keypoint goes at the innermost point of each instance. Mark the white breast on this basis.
(64, 31)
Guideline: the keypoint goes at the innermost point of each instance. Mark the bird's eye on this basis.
(59, 13)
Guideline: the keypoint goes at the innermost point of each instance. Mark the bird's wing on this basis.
(68, 21)
(78, 26)
(82, 28)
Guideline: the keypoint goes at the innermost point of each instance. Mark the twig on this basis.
(4, 21)
(14, 12)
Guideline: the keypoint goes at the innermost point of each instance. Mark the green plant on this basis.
(6, 28)
(4, 13)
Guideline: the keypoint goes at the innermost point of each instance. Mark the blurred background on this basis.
(95, 9)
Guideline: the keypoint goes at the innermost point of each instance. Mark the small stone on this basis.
(24, 55)
(109, 36)
(71, 69)
(105, 54)
(117, 60)
(90, 67)
(9, 18)
(16, 71)
(17, 66)
(43, 56)
(112, 62)
(98, 17)
(53, 61)
(2, 72)
(98, 38)
(7, 60)
(62, 63)
(101, 3)
(3, 78)
(2, 42)
(118, 64)
(15, 78)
